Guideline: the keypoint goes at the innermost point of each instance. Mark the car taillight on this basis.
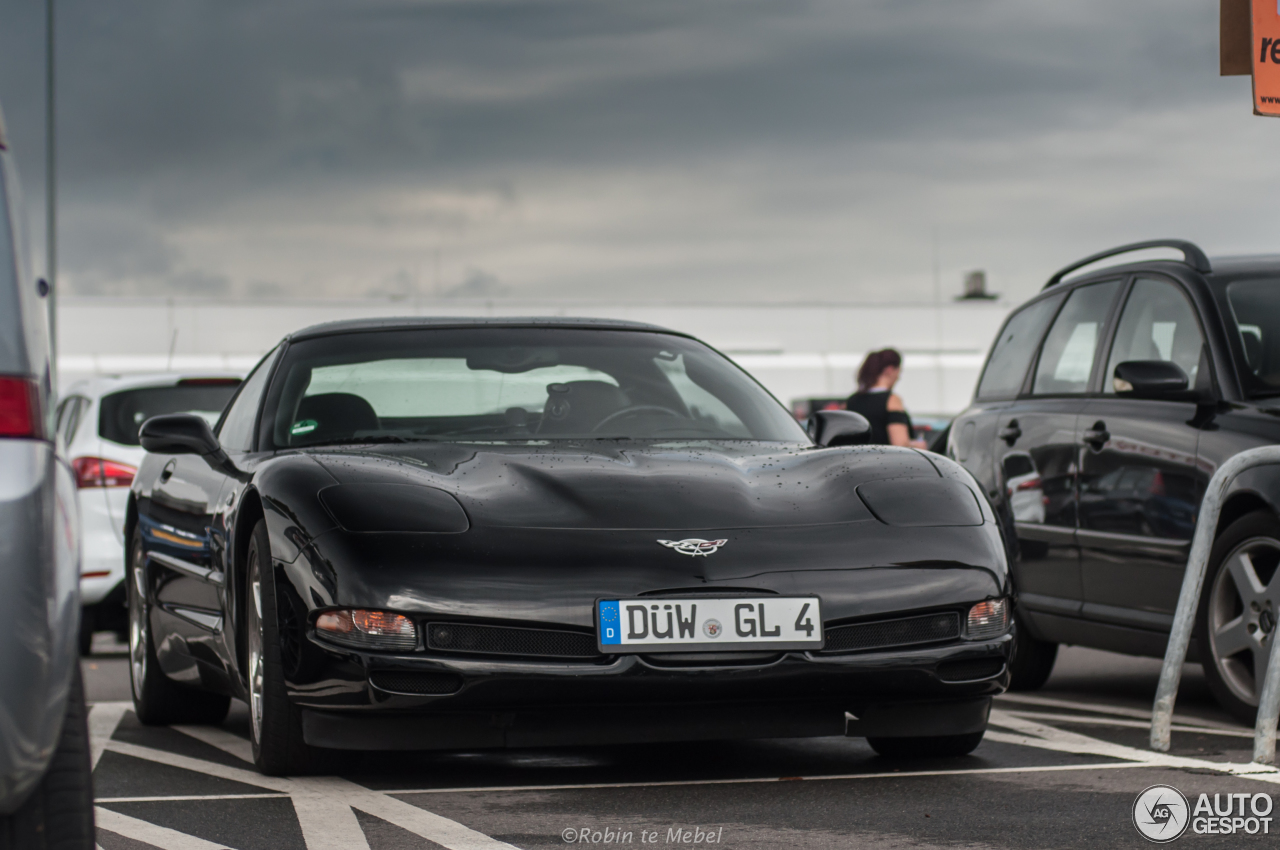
(988, 619)
(19, 408)
(368, 629)
(99, 472)
(1033, 484)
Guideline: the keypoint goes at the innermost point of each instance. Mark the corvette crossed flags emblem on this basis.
(694, 546)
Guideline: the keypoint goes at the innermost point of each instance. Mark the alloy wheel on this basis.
(137, 621)
(255, 646)
(1243, 605)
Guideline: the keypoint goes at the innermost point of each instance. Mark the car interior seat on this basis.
(577, 407)
(336, 416)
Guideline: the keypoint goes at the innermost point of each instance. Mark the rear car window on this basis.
(1255, 309)
(1014, 349)
(122, 414)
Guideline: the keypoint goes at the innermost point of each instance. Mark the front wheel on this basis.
(934, 746)
(275, 723)
(1236, 620)
(157, 699)
(1032, 662)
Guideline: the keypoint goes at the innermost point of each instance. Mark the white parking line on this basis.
(180, 798)
(1032, 734)
(104, 717)
(220, 738)
(1128, 724)
(150, 833)
(1100, 708)
(324, 804)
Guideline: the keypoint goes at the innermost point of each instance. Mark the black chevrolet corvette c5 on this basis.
(431, 534)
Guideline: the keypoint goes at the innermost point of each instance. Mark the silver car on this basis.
(46, 794)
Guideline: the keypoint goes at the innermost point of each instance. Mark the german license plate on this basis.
(708, 624)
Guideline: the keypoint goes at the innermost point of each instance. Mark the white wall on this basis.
(796, 350)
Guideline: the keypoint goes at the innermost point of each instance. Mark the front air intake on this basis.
(511, 641)
(415, 683)
(887, 634)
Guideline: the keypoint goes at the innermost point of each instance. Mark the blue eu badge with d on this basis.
(610, 623)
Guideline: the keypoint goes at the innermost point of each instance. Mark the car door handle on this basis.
(1010, 433)
(1097, 436)
(167, 472)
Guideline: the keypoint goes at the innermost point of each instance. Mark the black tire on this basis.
(59, 813)
(275, 727)
(1231, 676)
(86, 630)
(937, 746)
(1032, 662)
(157, 699)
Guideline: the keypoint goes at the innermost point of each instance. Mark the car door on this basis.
(188, 509)
(1037, 449)
(1139, 486)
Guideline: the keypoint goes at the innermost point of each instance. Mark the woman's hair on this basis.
(874, 366)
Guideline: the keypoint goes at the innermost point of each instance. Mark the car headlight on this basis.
(919, 502)
(363, 629)
(987, 619)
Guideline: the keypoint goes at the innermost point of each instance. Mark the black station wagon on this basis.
(1106, 404)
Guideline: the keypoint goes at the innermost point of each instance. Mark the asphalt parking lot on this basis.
(1058, 768)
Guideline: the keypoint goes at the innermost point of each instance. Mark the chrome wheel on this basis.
(138, 631)
(1243, 604)
(254, 642)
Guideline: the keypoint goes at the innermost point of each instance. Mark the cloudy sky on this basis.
(704, 150)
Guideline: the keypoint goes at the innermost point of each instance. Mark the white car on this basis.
(98, 421)
(1025, 489)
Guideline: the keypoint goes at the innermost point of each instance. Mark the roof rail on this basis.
(1191, 255)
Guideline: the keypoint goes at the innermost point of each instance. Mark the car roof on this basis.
(103, 384)
(1224, 267)
(440, 322)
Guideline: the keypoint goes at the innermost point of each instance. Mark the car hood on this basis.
(628, 485)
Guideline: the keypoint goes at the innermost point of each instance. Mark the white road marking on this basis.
(1128, 724)
(1032, 734)
(1119, 711)
(222, 771)
(220, 738)
(676, 783)
(324, 812)
(104, 717)
(180, 798)
(315, 800)
(150, 833)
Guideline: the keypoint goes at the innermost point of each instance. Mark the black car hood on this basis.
(631, 485)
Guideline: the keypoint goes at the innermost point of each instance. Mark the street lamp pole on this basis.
(50, 189)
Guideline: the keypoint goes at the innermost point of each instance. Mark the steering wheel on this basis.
(637, 408)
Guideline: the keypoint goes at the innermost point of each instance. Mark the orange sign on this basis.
(1266, 57)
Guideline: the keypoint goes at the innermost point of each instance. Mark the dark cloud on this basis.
(665, 149)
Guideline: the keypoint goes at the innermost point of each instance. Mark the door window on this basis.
(1158, 323)
(1014, 349)
(1066, 358)
(236, 433)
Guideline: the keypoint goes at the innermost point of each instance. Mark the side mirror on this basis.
(178, 434)
(187, 434)
(839, 428)
(1149, 378)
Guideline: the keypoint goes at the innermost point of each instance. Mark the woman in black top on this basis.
(875, 399)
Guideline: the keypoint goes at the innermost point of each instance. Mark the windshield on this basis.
(516, 384)
(1255, 308)
(122, 414)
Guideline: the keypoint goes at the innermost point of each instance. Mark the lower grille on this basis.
(970, 669)
(416, 683)
(508, 640)
(882, 634)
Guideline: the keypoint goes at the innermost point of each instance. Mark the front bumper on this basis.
(632, 699)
